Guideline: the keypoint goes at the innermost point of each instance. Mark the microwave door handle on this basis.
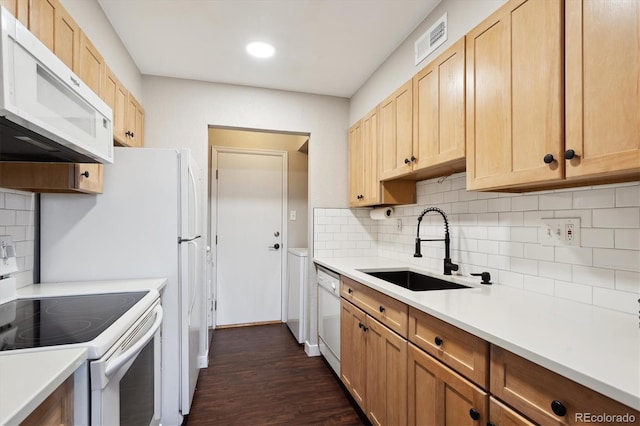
(136, 348)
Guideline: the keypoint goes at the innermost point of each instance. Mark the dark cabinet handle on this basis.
(569, 154)
(128, 133)
(360, 325)
(558, 408)
(349, 291)
(85, 174)
(381, 309)
(473, 413)
(407, 161)
(548, 159)
(365, 328)
(438, 341)
(413, 158)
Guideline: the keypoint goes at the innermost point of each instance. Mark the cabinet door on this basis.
(439, 396)
(66, 44)
(396, 132)
(135, 123)
(356, 166)
(603, 87)
(501, 415)
(370, 142)
(19, 9)
(439, 113)
(42, 21)
(514, 96)
(92, 68)
(116, 96)
(386, 375)
(353, 351)
(57, 409)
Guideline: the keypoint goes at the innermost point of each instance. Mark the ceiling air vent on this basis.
(431, 39)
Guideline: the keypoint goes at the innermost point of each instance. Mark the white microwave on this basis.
(46, 112)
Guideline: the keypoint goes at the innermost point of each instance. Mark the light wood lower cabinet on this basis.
(439, 396)
(501, 415)
(52, 177)
(373, 366)
(56, 410)
(544, 396)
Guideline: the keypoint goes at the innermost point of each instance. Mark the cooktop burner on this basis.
(52, 321)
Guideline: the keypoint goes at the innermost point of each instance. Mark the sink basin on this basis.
(414, 281)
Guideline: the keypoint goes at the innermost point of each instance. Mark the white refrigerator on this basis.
(147, 223)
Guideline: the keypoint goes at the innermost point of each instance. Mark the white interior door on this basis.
(250, 206)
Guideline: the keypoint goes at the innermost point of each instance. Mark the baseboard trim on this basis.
(203, 361)
(248, 324)
(311, 350)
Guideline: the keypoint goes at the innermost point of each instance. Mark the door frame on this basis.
(213, 222)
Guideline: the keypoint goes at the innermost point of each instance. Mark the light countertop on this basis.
(596, 347)
(90, 287)
(27, 379)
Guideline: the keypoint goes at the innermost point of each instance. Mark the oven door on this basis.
(126, 382)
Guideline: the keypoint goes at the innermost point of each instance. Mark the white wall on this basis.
(89, 15)
(178, 113)
(498, 233)
(17, 219)
(462, 16)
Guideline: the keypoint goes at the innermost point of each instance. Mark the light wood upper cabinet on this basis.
(356, 165)
(42, 21)
(370, 143)
(67, 39)
(515, 96)
(439, 396)
(602, 66)
(92, 67)
(439, 114)
(117, 97)
(396, 133)
(19, 9)
(135, 123)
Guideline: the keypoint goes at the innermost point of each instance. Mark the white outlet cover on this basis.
(559, 232)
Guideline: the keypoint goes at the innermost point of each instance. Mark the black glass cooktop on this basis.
(52, 321)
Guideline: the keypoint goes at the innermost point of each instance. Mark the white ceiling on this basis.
(327, 47)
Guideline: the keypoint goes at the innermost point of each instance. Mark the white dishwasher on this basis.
(329, 317)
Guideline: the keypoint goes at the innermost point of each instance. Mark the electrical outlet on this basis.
(560, 232)
(399, 225)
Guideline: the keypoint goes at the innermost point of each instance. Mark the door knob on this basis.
(275, 246)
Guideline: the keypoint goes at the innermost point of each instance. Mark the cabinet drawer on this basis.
(462, 351)
(534, 390)
(52, 177)
(385, 309)
(501, 415)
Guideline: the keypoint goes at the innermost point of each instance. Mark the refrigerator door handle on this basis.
(186, 240)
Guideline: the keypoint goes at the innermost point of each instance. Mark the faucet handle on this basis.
(485, 276)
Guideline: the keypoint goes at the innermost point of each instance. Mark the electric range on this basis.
(93, 321)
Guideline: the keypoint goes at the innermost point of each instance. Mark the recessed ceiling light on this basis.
(260, 49)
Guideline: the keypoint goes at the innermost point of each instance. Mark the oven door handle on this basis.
(136, 348)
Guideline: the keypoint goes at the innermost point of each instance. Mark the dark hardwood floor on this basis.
(261, 376)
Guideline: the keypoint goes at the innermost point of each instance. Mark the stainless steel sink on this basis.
(414, 281)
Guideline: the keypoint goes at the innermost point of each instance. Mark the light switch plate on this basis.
(560, 232)
(292, 215)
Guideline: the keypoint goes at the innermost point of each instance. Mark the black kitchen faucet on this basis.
(448, 265)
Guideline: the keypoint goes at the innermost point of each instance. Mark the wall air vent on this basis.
(431, 39)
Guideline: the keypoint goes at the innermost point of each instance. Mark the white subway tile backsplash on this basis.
(8, 217)
(625, 217)
(597, 277)
(628, 281)
(499, 232)
(627, 260)
(573, 291)
(595, 198)
(597, 237)
(574, 255)
(628, 196)
(618, 300)
(627, 239)
(555, 201)
(16, 201)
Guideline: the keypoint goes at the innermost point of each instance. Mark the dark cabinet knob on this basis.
(548, 159)
(569, 154)
(85, 174)
(558, 408)
(473, 413)
(438, 341)
(381, 309)
(413, 158)
(365, 329)
(128, 133)
(350, 291)
(360, 325)
(407, 161)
